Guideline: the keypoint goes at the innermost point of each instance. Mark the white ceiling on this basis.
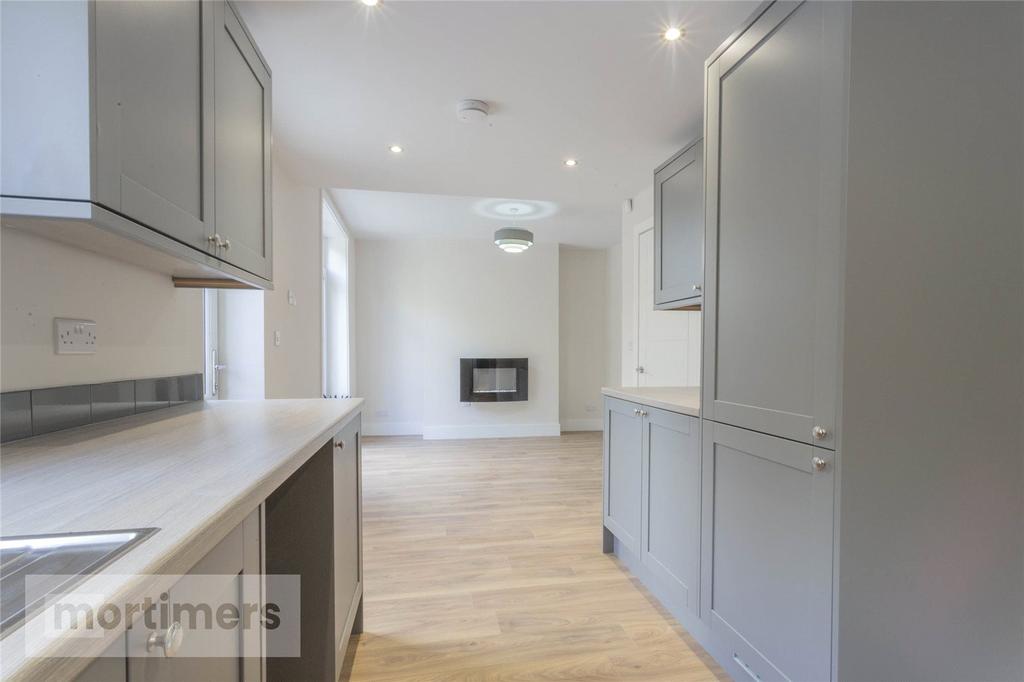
(591, 80)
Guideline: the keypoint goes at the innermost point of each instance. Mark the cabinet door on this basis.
(775, 149)
(110, 667)
(347, 535)
(242, 147)
(670, 534)
(623, 445)
(767, 552)
(154, 105)
(211, 654)
(679, 229)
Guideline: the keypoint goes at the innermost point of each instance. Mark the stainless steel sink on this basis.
(60, 561)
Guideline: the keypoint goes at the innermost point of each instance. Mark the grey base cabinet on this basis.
(219, 654)
(348, 540)
(652, 494)
(767, 552)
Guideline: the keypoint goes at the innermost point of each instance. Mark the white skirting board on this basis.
(463, 431)
(392, 429)
(593, 424)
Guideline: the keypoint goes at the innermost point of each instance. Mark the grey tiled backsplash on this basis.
(43, 410)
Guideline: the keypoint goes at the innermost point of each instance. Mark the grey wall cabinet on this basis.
(348, 540)
(775, 147)
(679, 229)
(242, 141)
(842, 197)
(154, 100)
(226, 655)
(767, 552)
(623, 457)
(670, 507)
(145, 137)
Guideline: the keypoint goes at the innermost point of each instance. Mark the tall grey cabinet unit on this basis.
(679, 230)
(862, 473)
(348, 540)
(139, 130)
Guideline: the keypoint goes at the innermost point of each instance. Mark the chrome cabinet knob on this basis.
(214, 239)
(819, 433)
(169, 641)
(226, 244)
(340, 444)
(636, 412)
(643, 413)
(818, 463)
(640, 370)
(698, 287)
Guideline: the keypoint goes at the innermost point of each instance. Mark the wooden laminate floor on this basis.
(483, 563)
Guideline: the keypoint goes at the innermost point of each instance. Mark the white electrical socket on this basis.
(74, 337)
(291, 297)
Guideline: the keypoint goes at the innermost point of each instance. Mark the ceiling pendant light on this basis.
(513, 239)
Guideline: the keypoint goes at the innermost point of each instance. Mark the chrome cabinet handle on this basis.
(819, 433)
(215, 240)
(818, 463)
(698, 287)
(339, 444)
(643, 413)
(170, 641)
(226, 244)
(640, 370)
(636, 412)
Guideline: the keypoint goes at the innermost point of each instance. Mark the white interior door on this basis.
(663, 336)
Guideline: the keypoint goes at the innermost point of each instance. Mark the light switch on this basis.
(291, 297)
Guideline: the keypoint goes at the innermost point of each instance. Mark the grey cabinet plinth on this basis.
(679, 229)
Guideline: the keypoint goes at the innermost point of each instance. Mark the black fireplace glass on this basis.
(490, 380)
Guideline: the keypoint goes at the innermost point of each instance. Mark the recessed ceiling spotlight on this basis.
(396, 149)
(571, 162)
(673, 33)
(370, 3)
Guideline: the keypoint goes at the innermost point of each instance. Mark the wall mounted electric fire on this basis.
(493, 380)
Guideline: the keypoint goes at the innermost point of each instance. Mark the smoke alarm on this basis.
(472, 110)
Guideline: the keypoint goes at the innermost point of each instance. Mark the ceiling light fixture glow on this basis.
(571, 163)
(396, 149)
(673, 33)
(371, 3)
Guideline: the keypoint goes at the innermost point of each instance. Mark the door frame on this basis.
(646, 225)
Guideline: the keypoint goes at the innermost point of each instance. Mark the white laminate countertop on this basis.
(681, 399)
(193, 471)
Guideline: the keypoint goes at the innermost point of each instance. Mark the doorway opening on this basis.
(337, 305)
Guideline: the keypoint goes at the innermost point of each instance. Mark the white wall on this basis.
(582, 336)
(390, 300)
(685, 325)
(146, 327)
(613, 316)
(420, 306)
(293, 369)
(643, 210)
